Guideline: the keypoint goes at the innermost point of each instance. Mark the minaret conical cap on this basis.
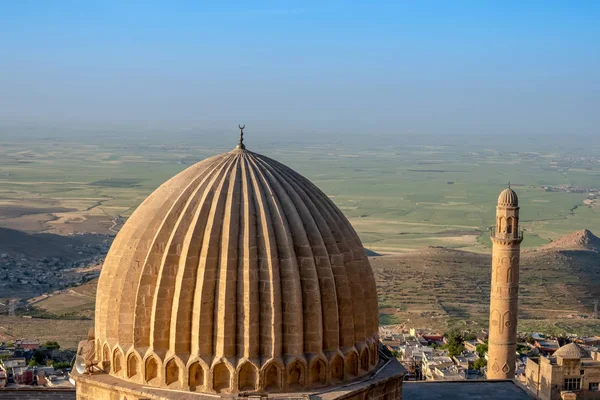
(508, 198)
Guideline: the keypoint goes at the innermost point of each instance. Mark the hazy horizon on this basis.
(303, 68)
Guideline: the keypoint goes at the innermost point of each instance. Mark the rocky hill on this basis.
(438, 287)
(578, 240)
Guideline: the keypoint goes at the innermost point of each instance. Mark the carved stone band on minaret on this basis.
(505, 238)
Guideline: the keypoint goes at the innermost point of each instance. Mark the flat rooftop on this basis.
(463, 390)
(37, 394)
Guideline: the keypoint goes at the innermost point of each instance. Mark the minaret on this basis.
(504, 297)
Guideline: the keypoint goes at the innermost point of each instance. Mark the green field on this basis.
(399, 197)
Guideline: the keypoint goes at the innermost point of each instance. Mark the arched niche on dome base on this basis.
(272, 377)
(117, 361)
(106, 358)
(318, 373)
(150, 369)
(364, 359)
(337, 369)
(247, 377)
(296, 376)
(133, 365)
(196, 377)
(373, 353)
(351, 365)
(171, 372)
(221, 378)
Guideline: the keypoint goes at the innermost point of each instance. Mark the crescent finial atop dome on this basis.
(241, 145)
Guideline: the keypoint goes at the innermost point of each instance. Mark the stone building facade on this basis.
(237, 277)
(570, 373)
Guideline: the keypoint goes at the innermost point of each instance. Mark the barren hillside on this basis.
(440, 287)
(435, 287)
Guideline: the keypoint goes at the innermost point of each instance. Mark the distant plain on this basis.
(399, 197)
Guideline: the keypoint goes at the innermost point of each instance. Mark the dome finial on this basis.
(241, 143)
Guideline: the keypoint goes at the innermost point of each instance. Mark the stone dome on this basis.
(238, 274)
(571, 350)
(508, 198)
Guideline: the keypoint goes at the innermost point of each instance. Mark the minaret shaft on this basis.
(504, 297)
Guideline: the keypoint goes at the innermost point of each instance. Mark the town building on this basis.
(571, 372)
(465, 361)
(547, 346)
(438, 366)
(27, 344)
(471, 345)
(9, 364)
(589, 341)
(3, 377)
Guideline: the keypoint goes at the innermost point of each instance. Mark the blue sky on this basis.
(422, 67)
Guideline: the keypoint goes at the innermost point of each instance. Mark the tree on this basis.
(455, 349)
(61, 364)
(38, 358)
(481, 349)
(52, 345)
(529, 339)
(522, 349)
(479, 363)
(396, 353)
(456, 343)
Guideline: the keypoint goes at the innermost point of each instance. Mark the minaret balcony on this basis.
(506, 236)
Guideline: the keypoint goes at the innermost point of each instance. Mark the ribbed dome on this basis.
(237, 274)
(571, 350)
(508, 197)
